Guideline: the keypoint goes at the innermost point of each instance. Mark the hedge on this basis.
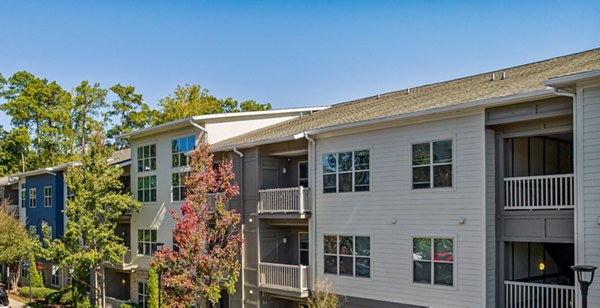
(36, 293)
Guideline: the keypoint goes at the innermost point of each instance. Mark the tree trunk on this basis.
(15, 275)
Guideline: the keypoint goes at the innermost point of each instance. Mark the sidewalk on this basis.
(15, 304)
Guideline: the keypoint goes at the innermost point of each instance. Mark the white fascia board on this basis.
(572, 79)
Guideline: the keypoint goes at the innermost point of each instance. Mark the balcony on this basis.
(294, 200)
(525, 294)
(284, 279)
(540, 192)
(125, 261)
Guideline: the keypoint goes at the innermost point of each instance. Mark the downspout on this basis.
(242, 203)
(313, 222)
(577, 185)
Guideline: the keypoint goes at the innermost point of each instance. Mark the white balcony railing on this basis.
(285, 277)
(284, 200)
(540, 192)
(529, 295)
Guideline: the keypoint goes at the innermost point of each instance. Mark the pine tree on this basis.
(153, 288)
(37, 281)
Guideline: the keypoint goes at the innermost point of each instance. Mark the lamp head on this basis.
(581, 269)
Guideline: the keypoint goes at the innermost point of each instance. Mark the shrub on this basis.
(130, 305)
(36, 278)
(64, 296)
(36, 293)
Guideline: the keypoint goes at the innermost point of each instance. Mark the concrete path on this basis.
(15, 304)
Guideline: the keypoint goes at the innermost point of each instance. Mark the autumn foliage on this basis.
(208, 242)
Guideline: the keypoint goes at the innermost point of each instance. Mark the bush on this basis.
(36, 293)
(64, 296)
(130, 305)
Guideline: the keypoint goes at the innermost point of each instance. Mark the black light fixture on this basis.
(159, 247)
(584, 285)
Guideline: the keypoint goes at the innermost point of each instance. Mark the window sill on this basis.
(433, 287)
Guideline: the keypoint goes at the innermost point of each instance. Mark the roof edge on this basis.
(573, 78)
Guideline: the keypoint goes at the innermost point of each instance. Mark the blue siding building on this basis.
(45, 202)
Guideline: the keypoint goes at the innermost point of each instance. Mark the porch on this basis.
(285, 279)
(284, 200)
(531, 295)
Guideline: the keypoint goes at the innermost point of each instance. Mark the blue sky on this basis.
(290, 54)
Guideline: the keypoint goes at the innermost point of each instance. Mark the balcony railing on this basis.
(284, 200)
(540, 192)
(526, 295)
(294, 278)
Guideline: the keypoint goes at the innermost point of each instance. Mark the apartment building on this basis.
(474, 192)
(159, 166)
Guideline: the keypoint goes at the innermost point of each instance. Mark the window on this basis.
(346, 171)
(55, 279)
(146, 156)
(146, 242)
(22, 195)
(433, 261)
(178, 186)
(24, 269)
(303, 174)
(70, 194)
(146, 188)
(432, 160)
(32, 197)
(70, 277)
(347, 255)
(303, 247)
(142, 294)
(178, 149)
(47, 196)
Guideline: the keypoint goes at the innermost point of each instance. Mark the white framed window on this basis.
(146, 188)
(146, 158)
(47, 196)
(433, 261)
(55, 277)
(178, 185)
(432, 164)
(346, 171)
(146, 242)
(142, 294)
(24, 269)
(32, 197)
(179, 147)
(22, 193)
(70, 194)
(70, 277)
(303, 173)
(347, 255)
(303, 247)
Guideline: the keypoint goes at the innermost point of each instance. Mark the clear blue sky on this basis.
(290, 54)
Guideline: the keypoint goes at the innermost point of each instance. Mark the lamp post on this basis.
(159, 247)
(584, 285)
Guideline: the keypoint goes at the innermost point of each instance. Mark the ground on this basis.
(15, 304)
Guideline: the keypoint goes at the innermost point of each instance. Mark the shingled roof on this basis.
(507, 82)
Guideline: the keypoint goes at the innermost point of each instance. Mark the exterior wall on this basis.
(225, 129)
(52, 215)
(427, 212)
(587, 151)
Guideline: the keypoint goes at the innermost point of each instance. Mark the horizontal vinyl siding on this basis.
(427, 212)
(591, 183)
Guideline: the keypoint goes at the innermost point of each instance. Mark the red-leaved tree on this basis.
(208, 241)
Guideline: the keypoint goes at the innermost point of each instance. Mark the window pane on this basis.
(421, 177)
(153, 164)
(140, 152)
(153, 150)
(140, 235)
(140, 250)
(422, 249)
(182, 159)
(153, 195)
(191, 142)
(175, 179)
(330, 264)
(146, 182)
(442, 176)
(146, 195)
(146, 235)
(175, 160)
(361, 181)
(329, 163)
(146, 151)
(346, 246)
(442, 151)
(330, 244)
(363, 267)
(363, 246)
(422, 272)
(329, 183)
(345, 182)
(153, 181)
(345, 161)
(303, 170)
(443, 250)
(303, 240)
(443, 274)
(420, 154)
(153, 235)
(346, 266)
(361, 160)
(304, 257)
(175, 194)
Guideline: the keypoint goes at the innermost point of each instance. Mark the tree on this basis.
(208, 244)
(15, 243)
(14, 150)
(191, 100)
(88, 103)
(90, 240)
(130, 111)
(322, 297)
(43, 108)
(36, 279)
(153, 288)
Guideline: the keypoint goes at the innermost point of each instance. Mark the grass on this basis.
(25, 301)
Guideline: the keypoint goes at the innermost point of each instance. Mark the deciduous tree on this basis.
(15, 242)
(208, 243)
